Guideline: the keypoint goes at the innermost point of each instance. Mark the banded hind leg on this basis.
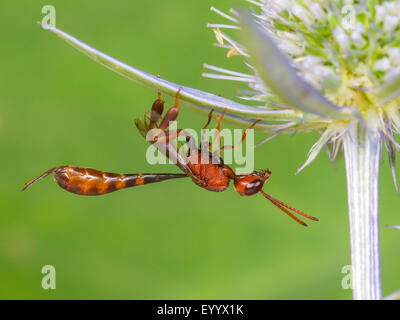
(156, 111)
(170, 116)
(161, 136)
(91, 182)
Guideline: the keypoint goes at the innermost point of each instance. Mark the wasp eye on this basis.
(253, 187)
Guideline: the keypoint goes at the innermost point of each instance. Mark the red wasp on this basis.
(200, 166)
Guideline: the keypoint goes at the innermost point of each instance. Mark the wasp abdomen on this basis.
(88, 181)
(91, 182)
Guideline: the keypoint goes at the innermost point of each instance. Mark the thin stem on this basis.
(362, 149)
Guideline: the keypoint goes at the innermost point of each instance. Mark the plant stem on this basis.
(362, 150)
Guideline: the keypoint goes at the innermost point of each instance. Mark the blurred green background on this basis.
(171, 240)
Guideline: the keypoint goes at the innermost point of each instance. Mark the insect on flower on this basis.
(198, 165)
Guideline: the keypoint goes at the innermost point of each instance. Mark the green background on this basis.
(171, 240)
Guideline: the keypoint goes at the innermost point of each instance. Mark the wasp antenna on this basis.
(305, 215)
(43, 175)
(281, 205)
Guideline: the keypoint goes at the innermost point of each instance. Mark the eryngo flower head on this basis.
(336, 62)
